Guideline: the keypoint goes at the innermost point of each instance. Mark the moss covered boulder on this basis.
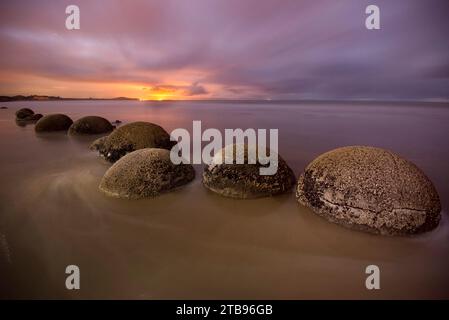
(245, 180)
(370, 189)
(145, 173)
(90, 125)
(134, 136)
(53, 122)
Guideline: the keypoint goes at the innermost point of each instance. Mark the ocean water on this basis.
(192, 243)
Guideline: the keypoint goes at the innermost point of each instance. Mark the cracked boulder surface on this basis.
(145, 173)
(131, 137)
(244, 181)
(370, 189)
(90, 125)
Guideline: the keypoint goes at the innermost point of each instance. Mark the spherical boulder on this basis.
(90, 125)
(53, 122)
(370, 189)
(23, 113)
(134, 136)
(245, 181)
(145, 173)
(29, 119)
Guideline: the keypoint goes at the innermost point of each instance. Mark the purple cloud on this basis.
(291, 49)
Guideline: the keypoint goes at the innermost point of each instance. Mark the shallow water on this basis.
(195, 244)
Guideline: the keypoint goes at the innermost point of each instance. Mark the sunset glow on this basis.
(147, 50)
(219, 158)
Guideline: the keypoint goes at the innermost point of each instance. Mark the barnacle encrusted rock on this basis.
(134, 136)
(53, 122)
(245, 181)
(90, 125)
(145, 173)
(370, 189)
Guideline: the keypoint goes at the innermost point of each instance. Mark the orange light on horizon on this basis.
(161, 94)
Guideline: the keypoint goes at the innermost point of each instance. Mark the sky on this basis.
(226, 49)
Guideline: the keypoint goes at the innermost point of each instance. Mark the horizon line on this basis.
(37, 97)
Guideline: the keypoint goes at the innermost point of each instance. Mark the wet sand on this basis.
(194, 244)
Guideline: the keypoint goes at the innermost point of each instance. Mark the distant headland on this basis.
(53, 98)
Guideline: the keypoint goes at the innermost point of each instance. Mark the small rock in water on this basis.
(3, 108)
(24, 113)
(117, 122)
(145, 173)
(370, 189)
(134, 136)
(53, 122)
(90, 125)
(244, 181)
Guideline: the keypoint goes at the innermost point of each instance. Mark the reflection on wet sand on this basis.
(192, 243)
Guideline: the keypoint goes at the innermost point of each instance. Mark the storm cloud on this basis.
(254, 49)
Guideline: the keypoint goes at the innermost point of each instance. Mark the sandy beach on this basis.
(194, 244)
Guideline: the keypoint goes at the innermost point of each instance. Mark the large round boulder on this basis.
(244, 180)
(53, 122)
(145, 173)
(370, 189)
(24, 113)
(134, 136)
(90, 125)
